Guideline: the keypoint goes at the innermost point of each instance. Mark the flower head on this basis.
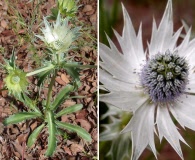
(151, 83)
(16, 82)
(59, 36)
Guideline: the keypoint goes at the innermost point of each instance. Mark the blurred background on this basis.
(114, 146)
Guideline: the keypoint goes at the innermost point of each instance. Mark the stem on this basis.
(51, 85)
(50, 89)
(58, 59)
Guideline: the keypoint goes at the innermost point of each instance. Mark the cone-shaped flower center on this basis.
(165, 77)
(15, 79)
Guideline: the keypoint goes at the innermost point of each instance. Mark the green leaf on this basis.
(69, 110)
(74, 73)
(12, 59)
(19, 117)
(76, 65)
(52, 134)
(31, 104)
(32, 138)
(44, 69)
(77, 97)
(62, 95)
(42, 76)
(74, 128)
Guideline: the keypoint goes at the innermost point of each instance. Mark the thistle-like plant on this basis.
(59, 36)
(58, 41)
(154, 84)
(49, 117)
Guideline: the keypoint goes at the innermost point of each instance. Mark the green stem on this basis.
(51, 85)
(58, 59)
(50, 89)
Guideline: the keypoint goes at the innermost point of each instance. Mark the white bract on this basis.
(59, 36)
(152, 83)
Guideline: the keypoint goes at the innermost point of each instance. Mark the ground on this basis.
(17, 21)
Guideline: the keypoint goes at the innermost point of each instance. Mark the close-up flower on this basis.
(154, 83)
(59, 36)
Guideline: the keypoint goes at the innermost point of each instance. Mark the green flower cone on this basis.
(16, 82)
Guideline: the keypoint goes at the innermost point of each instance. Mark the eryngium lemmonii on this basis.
(153, 87)
(59, 36)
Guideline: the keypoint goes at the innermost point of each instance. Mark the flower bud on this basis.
(67, 7)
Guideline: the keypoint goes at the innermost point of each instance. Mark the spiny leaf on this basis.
(62, 95)
(69, 110)
(32, 138)
(74, 73)
(31, 104)
(74, 128)
(52, 134)
(42, 76)
(19, 117)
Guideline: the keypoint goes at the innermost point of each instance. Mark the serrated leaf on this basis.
(52, 134)
(33, 137)
(42, 76)
(19, 117)
(74, 73)
(29, 103)
(62, 95)
(69, 110)
(74, 128)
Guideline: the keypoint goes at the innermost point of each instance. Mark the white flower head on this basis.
(152, 84)
(59, 36)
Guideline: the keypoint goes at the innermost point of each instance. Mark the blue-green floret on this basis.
(165, 77)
